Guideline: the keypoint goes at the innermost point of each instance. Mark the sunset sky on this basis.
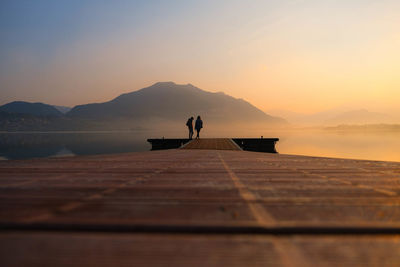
(303, 56)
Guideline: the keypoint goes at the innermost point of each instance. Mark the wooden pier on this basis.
(213, 144)
(248, 144)
(198, 207)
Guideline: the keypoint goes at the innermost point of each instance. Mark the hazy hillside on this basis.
(382, 127)
(361, 116)
(36, 109)
(162, 106)
(27, 122)
(336, 116)
(173, 102)
(313, 119)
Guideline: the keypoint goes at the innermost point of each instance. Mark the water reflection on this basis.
(33, 145)
(379, 145)
(373, 145)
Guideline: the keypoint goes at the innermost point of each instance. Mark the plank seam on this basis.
(261, 215)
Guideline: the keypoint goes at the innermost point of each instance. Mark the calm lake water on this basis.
(357, 145)
(377, 145)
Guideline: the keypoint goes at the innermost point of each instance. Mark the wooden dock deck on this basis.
(197, 207)
(248, 144)
(212, 143)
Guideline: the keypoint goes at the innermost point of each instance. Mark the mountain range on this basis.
(167, 100)
(166, 103)
(161, 102)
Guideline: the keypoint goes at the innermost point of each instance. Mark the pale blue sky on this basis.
(275, 54)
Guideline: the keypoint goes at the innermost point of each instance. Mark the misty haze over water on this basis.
(372, 145)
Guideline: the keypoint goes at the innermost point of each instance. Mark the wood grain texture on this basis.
(199, 207)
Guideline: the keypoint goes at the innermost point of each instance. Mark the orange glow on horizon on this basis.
(303, 57)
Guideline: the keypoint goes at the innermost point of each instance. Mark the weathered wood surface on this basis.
(212, 143)
(199, 208)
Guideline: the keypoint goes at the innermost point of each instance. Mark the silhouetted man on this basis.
(189, 124)
(198, 126)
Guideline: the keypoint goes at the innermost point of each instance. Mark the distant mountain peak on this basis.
(169, 83)
(37, 109)
(173, 102)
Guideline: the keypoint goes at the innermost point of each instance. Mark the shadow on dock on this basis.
(161, 144)
(257, 144)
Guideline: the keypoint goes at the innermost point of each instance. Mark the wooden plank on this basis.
(195, 187)
(212, 143)
(71, 207)
(50, 249)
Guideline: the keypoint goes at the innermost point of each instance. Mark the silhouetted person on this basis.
(189, 124)
(198, 126)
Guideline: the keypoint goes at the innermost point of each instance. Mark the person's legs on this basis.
(198, 133)
(190, 133)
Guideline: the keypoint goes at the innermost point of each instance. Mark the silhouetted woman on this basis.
(189, 124)
(198, 126)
